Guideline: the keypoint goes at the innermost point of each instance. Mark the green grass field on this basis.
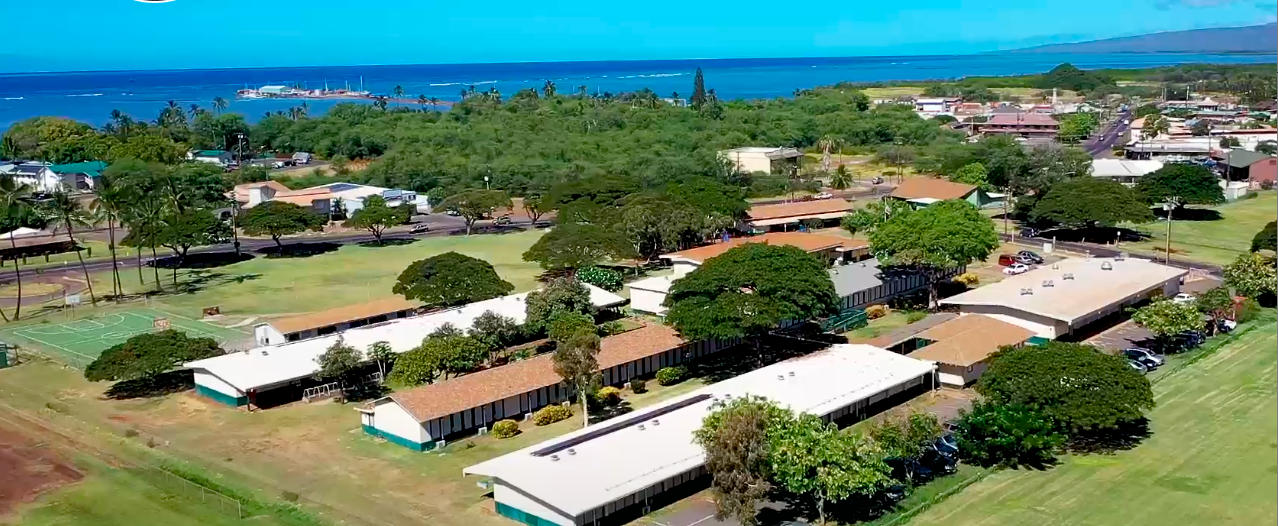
(84, 339)
(1211, 459)
(1217, 242)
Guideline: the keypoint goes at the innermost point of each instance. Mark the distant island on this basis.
(1249, 39)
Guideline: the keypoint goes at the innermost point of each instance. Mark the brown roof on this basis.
(806, 241)
(969, 339)
(242, 190)
(798, 209)
(1017, 119)
(347, 313)
(499, 383)
(930, 187)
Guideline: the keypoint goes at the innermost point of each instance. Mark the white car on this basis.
(1184, 297)
(1016, 268)
(824, 195)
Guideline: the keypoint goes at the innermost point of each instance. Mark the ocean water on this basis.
(90, 96)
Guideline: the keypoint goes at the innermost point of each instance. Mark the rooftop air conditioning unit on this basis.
(1068, 275)
(780, 377)
(572, 451)
(554, 458)
(1027, 291)
(656, 422)
(641, 428)
(791, 374)
(1048, 283)
(1056, 266)
(1107, 266)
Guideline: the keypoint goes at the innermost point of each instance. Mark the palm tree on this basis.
(65, 211)
(1154, 126)
(219, 104)
(549, 89)
(194, 109)
(15, 200)
(422, 101)
(398, 92)
(827, 143)
(303, 110)
(840, 179)
(110, 206)
(380, 102)
(434, 102)
(146, 219)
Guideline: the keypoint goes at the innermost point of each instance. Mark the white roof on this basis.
(656, 284)
(610, 467)
(19, 232)
(273, 364)
(754, 149)
(1092, 288)
(1123, 167)
(924, 200)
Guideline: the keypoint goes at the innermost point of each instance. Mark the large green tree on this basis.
(1252, 275)
(813, 459)
(147, 355)
(473, 205)
(572, 246)
(278, 219)
(1011, 435)
(1079, 387)
(1182, 184)
(942, 236)
(1165, 318)
(450, 279)
(735, 439)
(375, 217)
(338, 363)
(560, 295)
(1085, 202)
(182, 231)
(748, 291)
(576, 361)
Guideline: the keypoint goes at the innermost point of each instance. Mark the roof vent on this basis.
(264, 352)
(1068, 276)
(1056, 266)
(1048, 283)
(1105, 265)
(780, 377)
(641, 428)
(791, 373)
(554, 458)
(572, 451)
(1026, 291)
(656, 422)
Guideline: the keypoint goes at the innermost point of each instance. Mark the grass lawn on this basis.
(892, 92)
(1217, 242)
(279, 286)
(1211, 459)
(879, 326)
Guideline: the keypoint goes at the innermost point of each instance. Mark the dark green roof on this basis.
(1240, 158)
(210, 153)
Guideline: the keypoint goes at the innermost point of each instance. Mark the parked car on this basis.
(503, 220)
(1029, 232)
(1139, 367)
(876, 180)
(1016, 268)
(1024, 260)
(1006, 260)
(947, 445)
(1184, 297)
(824, 195)
(453, 213)
(420, 228)
(1032, 256)
(1144, 356)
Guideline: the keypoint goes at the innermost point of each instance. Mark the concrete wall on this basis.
(682, 268)
(390, 418)
(508, 497)
(213, 387)
(749, 162)
(960, 376)
(649, 301)
(1041, 325)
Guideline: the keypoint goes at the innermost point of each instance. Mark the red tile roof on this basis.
(499, 383)
(1021, 119)
(931, 188)
(798, 209)
(969, 339)
(808, 242)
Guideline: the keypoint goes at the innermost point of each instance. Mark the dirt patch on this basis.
(29, 469)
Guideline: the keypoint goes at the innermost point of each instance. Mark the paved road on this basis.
(1103, 144)
(1109, 252)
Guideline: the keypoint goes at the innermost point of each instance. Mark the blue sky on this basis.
(129, 34)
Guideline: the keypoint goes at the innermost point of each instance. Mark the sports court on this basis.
(81, 341)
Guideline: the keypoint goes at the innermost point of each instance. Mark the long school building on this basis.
(613, 471)
(276, 374)
(421, 418)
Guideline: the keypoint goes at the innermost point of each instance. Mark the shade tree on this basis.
(935, 239)
(1181, 184)
(1166, 318)
(559, 295)
(278, 218)
(1009, 435)
(148, 355)
(473, 205)
(450, 279)
(1087, 202)
(573, 246)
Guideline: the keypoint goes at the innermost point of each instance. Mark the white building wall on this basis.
(265, 334)
(389, 417)
(959, 376)
(649, 301)
(1041, 325)
(204, 379)
(511, 497)
(749, 161)
(682, 268)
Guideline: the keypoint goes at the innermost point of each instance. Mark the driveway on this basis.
(1124, 335)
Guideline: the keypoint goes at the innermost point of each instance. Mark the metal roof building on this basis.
(624, 464)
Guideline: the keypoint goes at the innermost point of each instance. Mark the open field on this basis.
(30, 469)
(361, 480)
(1211, 459)
(342, 275)
(1217, 242)
(893, 92)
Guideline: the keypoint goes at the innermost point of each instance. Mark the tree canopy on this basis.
(475, 204)
(1010, 435)
(1085, 202)
(560, 295)
(1186, 184)
(375, 217)
(1076, 385)
(1165, 318)
(1266, 238)
(278, 219)
(1252, 275)
(942, 236)
(572, 246)
(450, 279)
(749, 290)
(149, 354)
(814, 459)
(735, 440)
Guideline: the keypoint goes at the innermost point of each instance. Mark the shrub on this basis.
(607, 279)
(915, 315)
(672, 375)
(638, 386)
(611, 328)
(505, 429)
(875, 312)
(608, 396)
(551, 414)
(968, 278)
(1006, 435)
(1266, 185)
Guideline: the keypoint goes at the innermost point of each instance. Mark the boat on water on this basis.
(285, 92)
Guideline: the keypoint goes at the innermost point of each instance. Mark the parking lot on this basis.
(1124, 335)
